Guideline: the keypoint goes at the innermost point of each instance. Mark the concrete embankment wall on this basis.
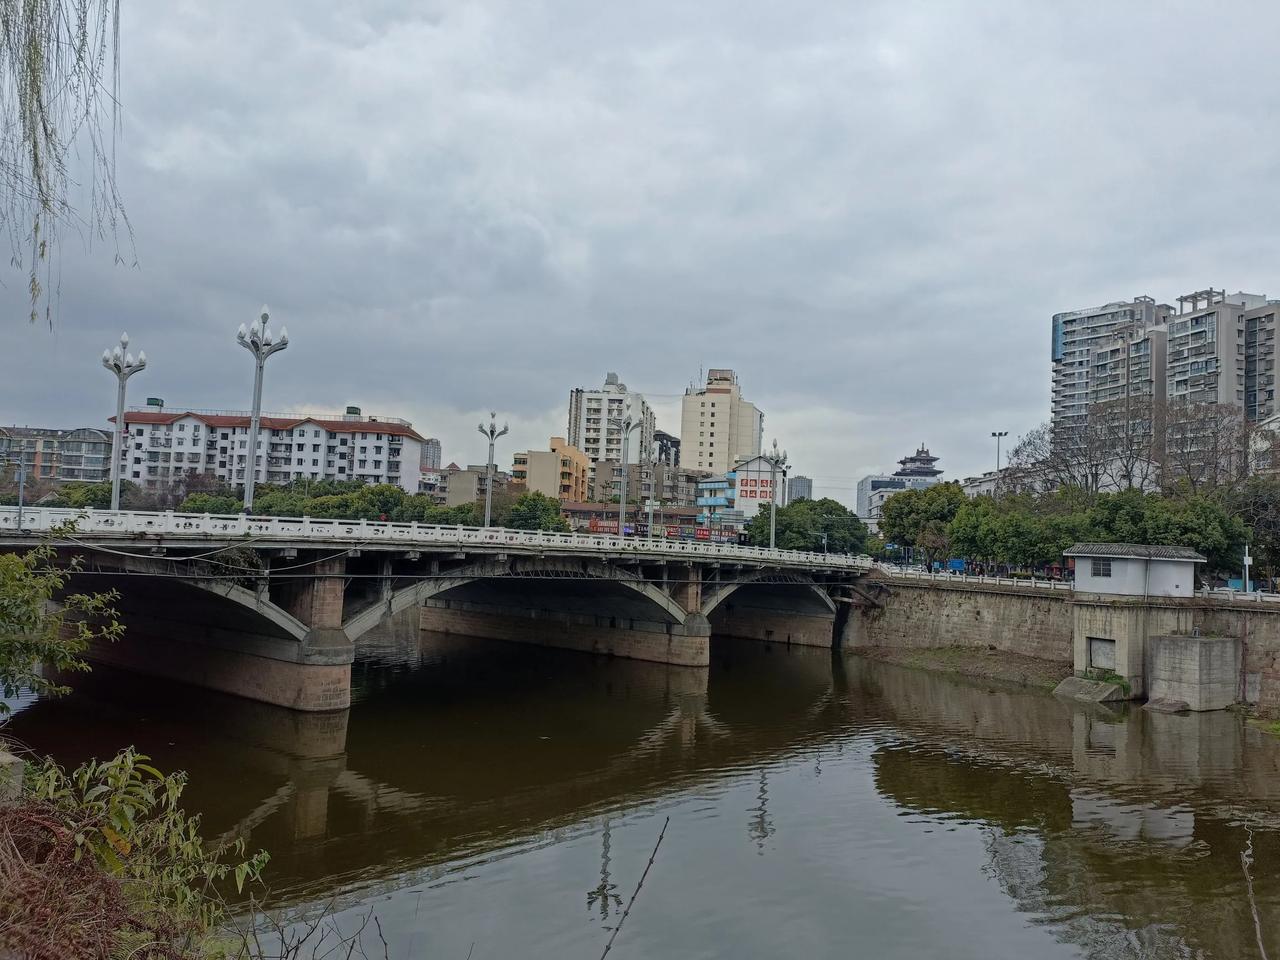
(1033, 623)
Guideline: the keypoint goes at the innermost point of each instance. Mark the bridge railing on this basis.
(943, 576)
(142, 523)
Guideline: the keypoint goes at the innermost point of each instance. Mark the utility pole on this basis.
(493, 433)
(776, 461)
(120, 362)
(258, 341)
(1248, 560)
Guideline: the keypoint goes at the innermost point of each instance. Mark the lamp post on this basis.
(777, 461)
(258, 341)
(627, 425)
(120, 362)
(493, 433)
(998, 434)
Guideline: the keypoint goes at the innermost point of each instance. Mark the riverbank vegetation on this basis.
(1030, 531)
(100, 862)
(823, 526)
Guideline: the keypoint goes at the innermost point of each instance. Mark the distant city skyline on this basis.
(655, 195)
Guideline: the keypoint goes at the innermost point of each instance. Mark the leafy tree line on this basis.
(322, 499)
(817, 525)
(1029, 530)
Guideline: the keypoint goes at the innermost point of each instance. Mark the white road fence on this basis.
(124, 525)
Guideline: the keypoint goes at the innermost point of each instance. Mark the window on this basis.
(1101, 567)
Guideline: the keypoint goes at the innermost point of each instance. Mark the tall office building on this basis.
(595, 423)
(799, 488)
(718, 428)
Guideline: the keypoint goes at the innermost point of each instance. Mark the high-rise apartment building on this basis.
(596, 418)
(799, 488)
(431, 453)
(1100, 353)
(718, 428)
(668, 451)
(1137, 368)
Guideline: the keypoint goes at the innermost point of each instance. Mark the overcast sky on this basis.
(869, 210)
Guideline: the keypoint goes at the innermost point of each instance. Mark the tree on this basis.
(34, 632)
(922, 518)
(817, 525)
(1207, 445)
(59, 73)
(536, 511)
(210, 503)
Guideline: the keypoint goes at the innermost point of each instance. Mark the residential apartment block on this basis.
(560, 472)
(431, 454)
(718, 428)
(163, 447)
(1214, 347)
(459, 486)
(596, 418)
(58, 456)
(799, 488)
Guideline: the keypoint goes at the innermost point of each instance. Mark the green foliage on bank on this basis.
(1024, 530)
(100, 861)
(804, 524)
(35, 633)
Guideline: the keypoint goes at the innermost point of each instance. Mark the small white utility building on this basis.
(1134, 569)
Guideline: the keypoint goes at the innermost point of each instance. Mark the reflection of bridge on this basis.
(1122, 832)
(269, 607)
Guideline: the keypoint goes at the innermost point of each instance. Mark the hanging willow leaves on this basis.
(59, 90)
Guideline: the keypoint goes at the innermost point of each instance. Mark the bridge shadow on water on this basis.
(1120, 831)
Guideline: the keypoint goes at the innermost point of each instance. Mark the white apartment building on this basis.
(162, 447)
(596, 418)
(718, 428)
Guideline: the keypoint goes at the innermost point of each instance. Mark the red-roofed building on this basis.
(162, 446)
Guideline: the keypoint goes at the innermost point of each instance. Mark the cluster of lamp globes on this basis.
(256, 338)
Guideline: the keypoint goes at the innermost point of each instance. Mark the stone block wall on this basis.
(933, 614)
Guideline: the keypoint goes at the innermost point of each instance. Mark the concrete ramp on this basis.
(1090, 691)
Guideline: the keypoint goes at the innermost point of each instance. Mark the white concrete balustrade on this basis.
(130, 524)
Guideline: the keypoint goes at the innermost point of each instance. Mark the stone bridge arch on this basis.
(772, 605)
(654, 604)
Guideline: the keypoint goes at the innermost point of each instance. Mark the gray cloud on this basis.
(869, 212)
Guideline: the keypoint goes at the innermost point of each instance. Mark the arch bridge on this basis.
(271, 607)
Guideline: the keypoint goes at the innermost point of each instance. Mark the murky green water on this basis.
(501, 801)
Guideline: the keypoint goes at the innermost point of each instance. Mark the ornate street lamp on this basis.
(120, 362)
(493, 433)
(777, 461)
(258, 341)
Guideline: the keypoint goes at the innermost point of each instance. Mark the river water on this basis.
(494, 800)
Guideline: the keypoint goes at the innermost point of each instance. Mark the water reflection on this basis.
(484, 793)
